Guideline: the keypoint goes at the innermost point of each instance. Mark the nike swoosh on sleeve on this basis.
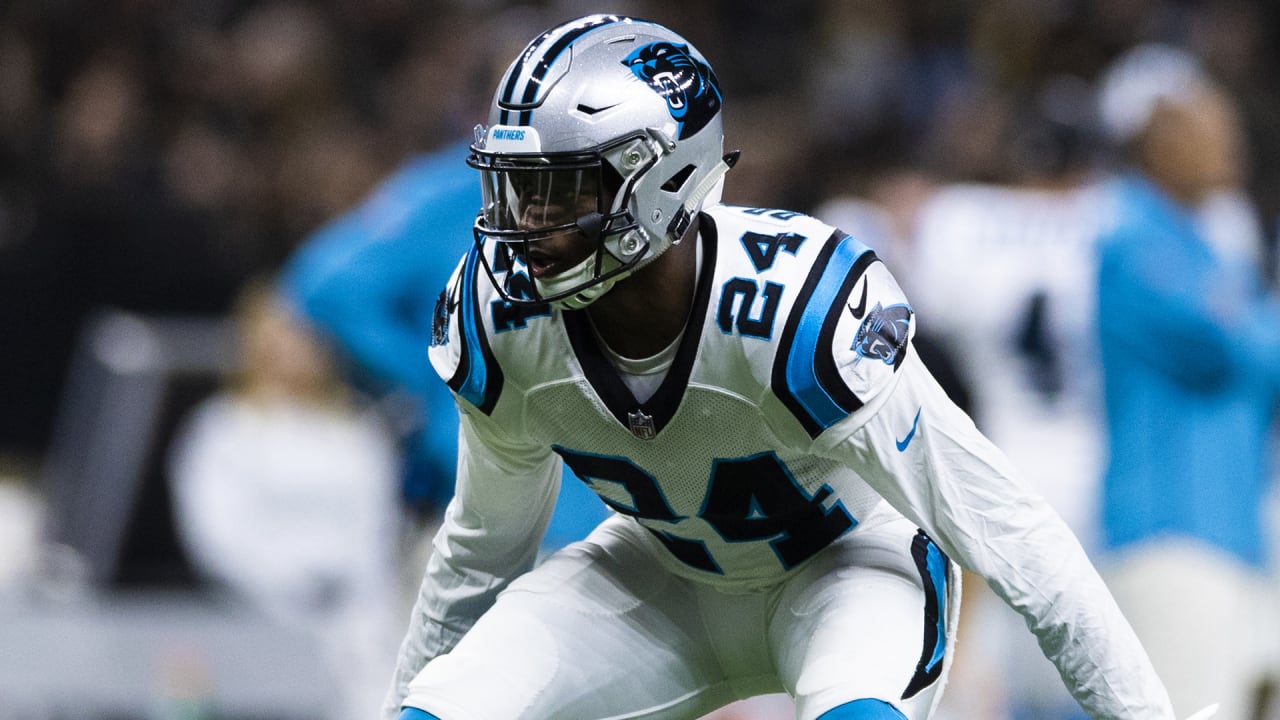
(904, 442)
(861, 309)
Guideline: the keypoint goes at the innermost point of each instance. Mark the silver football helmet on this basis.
(605, 137)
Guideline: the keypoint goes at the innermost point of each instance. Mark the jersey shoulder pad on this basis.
(834, 322)
(762, 259)
(846, 335)
(474, 336)
(763, 242)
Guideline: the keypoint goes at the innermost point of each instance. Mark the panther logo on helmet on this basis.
(689, 86)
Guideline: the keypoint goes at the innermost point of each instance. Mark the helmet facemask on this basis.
(580, 200)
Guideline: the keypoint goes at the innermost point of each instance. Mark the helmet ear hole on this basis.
(677, 181)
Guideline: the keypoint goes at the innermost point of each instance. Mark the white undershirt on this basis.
(643, 376)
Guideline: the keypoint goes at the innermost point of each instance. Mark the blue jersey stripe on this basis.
(934, 568)
(805, 376)
(937, 567)
(478, 378)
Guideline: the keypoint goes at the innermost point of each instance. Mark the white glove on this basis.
(1206, 713)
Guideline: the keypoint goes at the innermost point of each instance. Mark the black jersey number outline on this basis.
(760, 326)
(748, 499)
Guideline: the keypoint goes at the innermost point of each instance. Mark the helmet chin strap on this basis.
(579, 274)
(684, 216)
(591, 224)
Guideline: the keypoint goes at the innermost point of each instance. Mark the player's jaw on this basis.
(555, 253)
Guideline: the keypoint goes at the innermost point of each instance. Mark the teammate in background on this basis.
(364, 281)
(1191, 358)
(368, 281)
(739, 385)
(1003, 275)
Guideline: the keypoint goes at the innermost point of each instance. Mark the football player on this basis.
(792, 492)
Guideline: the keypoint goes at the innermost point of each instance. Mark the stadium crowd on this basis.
(155, 155)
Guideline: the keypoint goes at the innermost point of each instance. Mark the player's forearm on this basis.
(467, 569)
(491, 534)
(960, 489)
(1079, 627)
(424, 639)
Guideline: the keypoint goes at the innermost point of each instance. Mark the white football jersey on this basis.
(795, 411)
(718, 464)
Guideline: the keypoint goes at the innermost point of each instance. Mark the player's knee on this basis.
(415, 714)
(864, 709)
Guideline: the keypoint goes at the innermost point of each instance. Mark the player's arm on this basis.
(847, 372)
(924, 455)
(491, 534)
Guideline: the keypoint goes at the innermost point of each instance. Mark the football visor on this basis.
(532, 199)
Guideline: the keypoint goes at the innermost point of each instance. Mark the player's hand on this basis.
(1206, 713)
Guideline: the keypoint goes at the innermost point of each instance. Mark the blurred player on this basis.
(367, 281)
(740, 386)
(1003, 275)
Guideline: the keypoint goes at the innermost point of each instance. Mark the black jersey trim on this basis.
(935, 574)
(604, 378)
(805, 376)
(478, 378)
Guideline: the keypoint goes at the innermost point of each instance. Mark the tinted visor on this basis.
(539, 198)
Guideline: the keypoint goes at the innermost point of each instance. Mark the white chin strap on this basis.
(577, 275)
(711, 188)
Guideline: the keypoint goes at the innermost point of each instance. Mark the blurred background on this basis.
(159, 159)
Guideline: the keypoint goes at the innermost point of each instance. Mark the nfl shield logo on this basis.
(642, 425)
